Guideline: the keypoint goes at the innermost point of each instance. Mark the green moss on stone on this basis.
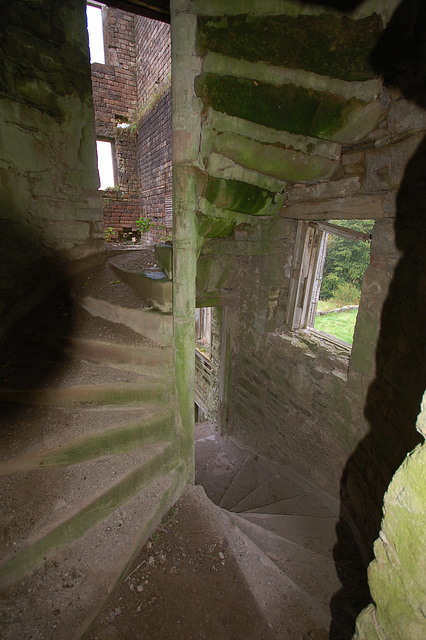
(215, 227)
(329, 45)
(286, 107)
(237, 196)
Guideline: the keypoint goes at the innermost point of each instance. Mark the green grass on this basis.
(341, 325)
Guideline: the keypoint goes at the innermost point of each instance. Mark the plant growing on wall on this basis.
(144, 224)
(150, 104)
(109, 234)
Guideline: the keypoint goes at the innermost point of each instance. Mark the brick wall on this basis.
(115, 100)
(154, 122)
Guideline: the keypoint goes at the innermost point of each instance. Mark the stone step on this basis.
(313, 572)
(152, 429)
(39, 501)
(313, 533)
(98, 394)
(57, 532)
(274, 489)
(61, 597)
(153, 325)
(288, 609)
(153, 286)
(250, 476)
(155, 361)
(305, 504)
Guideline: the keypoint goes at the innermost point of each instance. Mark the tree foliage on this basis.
(346, 260)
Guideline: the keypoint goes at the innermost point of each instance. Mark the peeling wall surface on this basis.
(50, 205)
(282, 124)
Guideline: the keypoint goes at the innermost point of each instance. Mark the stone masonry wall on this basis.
(49, 203)
(154, 122)
(115, 100)
(362, 157)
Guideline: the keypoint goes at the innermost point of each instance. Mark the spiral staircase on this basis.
(89, 447)
(284, 534)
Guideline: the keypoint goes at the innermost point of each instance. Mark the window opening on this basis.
(105, 164)
(96, 33)
(203, 330)
(326, 284)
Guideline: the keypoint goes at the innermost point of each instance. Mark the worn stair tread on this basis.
(95, 394)
(37, 501)
(151, 429)
(290, 611)
(153, 286)
(313, 572)
(142, 359)
(303, 505)
(88, 516)
(216, 464)
(273, 489)
(28, 430)
(49, 602)
(248, 478)
(156, 326)
(317, 534)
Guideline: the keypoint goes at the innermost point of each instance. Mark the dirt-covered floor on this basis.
(184, 584)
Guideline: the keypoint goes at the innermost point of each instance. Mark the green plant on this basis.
(109, 234)
(144, 224)
(347, 293)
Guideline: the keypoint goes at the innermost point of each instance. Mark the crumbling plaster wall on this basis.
(50, 206)
(115, 100)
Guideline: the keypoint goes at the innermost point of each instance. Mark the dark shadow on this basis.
(393, 400)
(37, 302)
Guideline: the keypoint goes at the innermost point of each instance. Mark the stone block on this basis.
(405, 116)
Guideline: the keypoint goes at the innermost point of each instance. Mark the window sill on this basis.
(317, 344)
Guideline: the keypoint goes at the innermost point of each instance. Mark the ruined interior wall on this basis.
(50, 205)
(343, 147)
(115, 100)
(154, 122)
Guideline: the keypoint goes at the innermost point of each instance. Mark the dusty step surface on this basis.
(61, 597)
(184, 584)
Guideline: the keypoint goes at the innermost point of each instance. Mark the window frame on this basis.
(307, 272)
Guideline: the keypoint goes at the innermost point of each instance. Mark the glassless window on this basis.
(96, 34)
(105, 164)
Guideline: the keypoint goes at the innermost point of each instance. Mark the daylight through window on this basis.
(105, 164)
(330, 261)
(96, 33)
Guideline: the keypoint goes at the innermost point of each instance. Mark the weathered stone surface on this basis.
(323, 190)
(285, 164)
(363, 207)
(386, 166)
(397, 576)
(278, 40)
(404, 116)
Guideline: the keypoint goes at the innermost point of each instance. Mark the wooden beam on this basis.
(343, 232)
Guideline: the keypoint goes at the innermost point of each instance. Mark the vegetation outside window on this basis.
(330, 262)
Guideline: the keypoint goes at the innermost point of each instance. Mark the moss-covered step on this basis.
(287, 107)
(57, 494)
(71, 527)
(92, 564)
(158, 426)
(164, 255)
(154, 287)
(96, 395)
(338, 47)
(274, 160)
(236, 195)
(154, 361)
(151, 324)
